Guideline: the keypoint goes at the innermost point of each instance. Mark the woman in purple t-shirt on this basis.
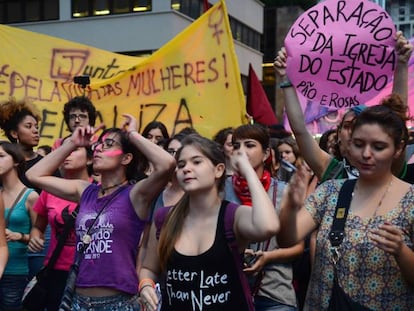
(112, 214)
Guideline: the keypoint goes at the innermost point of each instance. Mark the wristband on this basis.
(145, 282)
(285, 84)
(143, 286)
(22, 238)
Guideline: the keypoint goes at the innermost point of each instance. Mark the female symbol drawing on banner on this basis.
(341, 53)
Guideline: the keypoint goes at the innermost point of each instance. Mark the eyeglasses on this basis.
(107, 143)
(81, 116)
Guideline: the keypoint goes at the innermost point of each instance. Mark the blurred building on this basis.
(140, 27)
(402, 13)
(135, 27)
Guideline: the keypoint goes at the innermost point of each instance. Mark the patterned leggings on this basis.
(122, 302)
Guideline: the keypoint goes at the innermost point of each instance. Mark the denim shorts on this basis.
(121, 302)
(11, 291)
(265, 304)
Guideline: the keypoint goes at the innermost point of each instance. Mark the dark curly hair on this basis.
(12, 112)
(83, 104)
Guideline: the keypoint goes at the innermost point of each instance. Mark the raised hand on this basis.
(297, 187)
(280, 63)
(403, 47)
(82, 136)
(130, 123)
(240, 162)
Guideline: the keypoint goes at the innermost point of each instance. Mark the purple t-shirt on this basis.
(110, 259)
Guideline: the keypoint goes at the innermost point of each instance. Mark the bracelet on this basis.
(285, 84)
(22, 238)
(145, 282)
(145, 285)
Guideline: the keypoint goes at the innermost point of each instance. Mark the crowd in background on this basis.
(243, 221)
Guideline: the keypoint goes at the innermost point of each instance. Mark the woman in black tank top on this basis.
(191, 255)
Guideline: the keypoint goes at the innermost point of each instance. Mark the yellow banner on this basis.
(192, 81)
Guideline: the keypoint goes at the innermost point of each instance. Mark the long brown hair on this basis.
(174, 221)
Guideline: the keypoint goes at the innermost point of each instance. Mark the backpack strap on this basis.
(337, 233)
(23, 194)
(69, 224)
(159, 218)
(234, 249)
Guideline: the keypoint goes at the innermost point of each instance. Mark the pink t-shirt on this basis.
(57, 209)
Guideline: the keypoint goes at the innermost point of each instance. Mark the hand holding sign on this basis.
(341, 53)
(403, 47)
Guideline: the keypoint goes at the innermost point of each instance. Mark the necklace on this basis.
(103, 190)
(382, 197)
(87, 237)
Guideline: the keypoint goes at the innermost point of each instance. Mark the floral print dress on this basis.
(366, 273)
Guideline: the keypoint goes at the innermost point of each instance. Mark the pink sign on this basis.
(341, 53)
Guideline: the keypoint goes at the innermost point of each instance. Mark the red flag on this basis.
(258, 105)
(206, 5)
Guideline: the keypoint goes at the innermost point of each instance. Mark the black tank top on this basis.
(206, 282)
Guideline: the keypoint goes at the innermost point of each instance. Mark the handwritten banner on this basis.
(341, 53)
(192, 81)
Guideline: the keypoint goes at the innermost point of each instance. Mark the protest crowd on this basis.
(256, 218)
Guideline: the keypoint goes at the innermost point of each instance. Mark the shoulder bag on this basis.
(234, 249)
(14, 204)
